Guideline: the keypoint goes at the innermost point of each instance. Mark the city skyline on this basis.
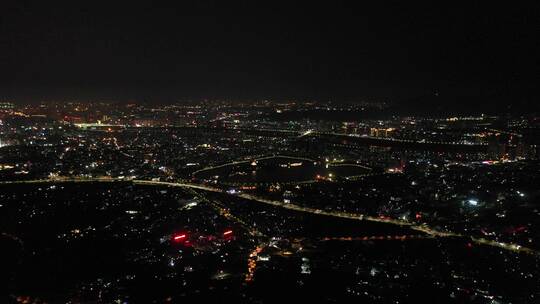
(269, 152)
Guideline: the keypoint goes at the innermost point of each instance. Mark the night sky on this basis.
(258, 50)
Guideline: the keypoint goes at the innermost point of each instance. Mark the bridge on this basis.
(332, 137)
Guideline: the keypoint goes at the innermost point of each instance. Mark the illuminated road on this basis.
(314, 133)
(380, 238)
(396, 140)
(284, 132)
(260, 158)
(353, 216)
(223, 211)
(249, 160)
(374, 141)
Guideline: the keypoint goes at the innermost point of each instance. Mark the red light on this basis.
(520, 229)
(179, 237)
(227, 232)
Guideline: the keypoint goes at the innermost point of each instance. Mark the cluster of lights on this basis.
(473, 202)
(181, 237)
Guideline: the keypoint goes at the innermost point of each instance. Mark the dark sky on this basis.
(273, 49)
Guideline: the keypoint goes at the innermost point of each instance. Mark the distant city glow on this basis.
(269, 154)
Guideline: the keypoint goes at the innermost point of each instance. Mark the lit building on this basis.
(381, 132)
(6, 106)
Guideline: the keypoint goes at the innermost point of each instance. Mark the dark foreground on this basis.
(115, 242)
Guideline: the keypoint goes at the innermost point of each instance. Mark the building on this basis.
(7, 106)
(381, 132)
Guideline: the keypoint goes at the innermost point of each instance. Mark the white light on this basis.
(472, 202)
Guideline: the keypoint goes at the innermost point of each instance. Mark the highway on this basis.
(353, 216)
(223, 211)
(363, 139)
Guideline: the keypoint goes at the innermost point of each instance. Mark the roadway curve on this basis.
(354, 216)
